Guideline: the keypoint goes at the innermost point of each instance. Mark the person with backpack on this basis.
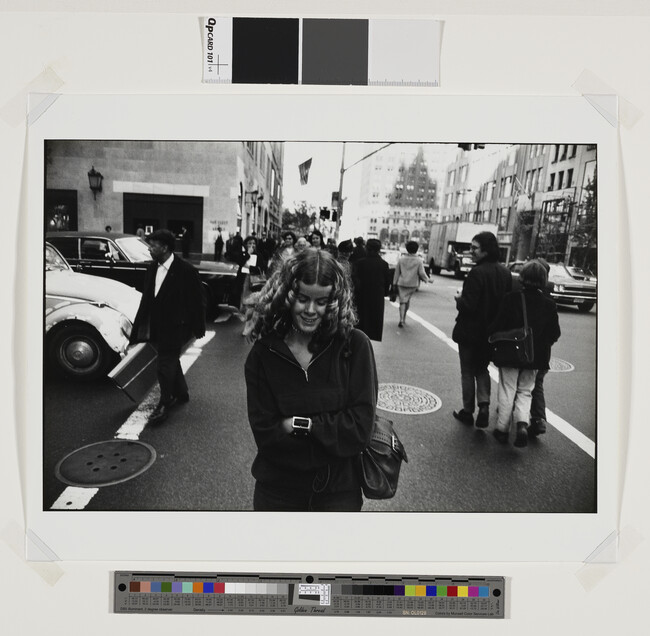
(531, 306)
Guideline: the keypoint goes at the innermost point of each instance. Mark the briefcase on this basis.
(136, 373)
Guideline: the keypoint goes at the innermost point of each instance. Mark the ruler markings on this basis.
(310, 595)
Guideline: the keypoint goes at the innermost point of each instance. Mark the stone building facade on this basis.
(202, 185)
(535, 194)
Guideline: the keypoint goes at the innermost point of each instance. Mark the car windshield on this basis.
(135, 248)
(54, 260)
(578, 272)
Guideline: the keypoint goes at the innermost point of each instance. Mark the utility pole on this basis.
(343, 170)
(339, 211)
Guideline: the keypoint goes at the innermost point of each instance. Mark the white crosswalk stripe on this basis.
(74, 498)
(569, 431)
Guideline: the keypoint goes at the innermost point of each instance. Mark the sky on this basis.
(324, 174)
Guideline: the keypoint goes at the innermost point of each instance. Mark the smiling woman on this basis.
(311, 388)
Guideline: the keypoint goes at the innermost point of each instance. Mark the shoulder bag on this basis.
(513, 348)
(380, 462)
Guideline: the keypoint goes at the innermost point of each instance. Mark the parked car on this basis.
(125, 257)
(571, 285)
(87, 320)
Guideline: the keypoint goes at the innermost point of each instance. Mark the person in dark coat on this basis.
(371, 278)
(516, 384)
(186, 240)
(311, 389)
(359, 250)
(236, 253)
(171, 312)
(218, 245)
(478, 302)
(538, 421)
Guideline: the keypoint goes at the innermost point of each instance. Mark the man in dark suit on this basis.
(171, 311)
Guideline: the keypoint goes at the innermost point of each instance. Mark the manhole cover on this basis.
(402, 398)
(105, 463)
(560, 366)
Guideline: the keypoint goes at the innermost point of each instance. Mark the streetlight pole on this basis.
(339, 211)
(343, 170)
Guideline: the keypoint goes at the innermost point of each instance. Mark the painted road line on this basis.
(135, 424)
(569, 431)
(73, 498)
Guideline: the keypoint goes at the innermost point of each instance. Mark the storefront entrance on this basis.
(159, 211)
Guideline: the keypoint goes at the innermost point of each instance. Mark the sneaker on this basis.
(501, 436)
(521, 439)
(537, 427)
(483, 417)
(464, 417)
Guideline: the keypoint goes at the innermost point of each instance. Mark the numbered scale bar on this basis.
(302, 594)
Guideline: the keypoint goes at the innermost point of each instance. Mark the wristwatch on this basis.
(301, 426)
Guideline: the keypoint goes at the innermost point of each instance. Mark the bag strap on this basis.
(523, 306)
(391, 440)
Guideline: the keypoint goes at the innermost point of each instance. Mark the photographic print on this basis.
(430, 244)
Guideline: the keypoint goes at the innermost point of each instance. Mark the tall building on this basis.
(537, 195)
(399, 193)
(202, 185)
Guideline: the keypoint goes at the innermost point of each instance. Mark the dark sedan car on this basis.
(571, 285)
(125, 257)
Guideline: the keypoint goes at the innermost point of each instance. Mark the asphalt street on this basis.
(205, 449)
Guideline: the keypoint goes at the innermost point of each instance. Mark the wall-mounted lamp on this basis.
(95, 180)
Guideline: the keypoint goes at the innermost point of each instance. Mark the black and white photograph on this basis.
(371, 327)
(458, 231)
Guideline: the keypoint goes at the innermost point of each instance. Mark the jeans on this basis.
(273, 498)
(515, 395)
(474, 376)
(538, 405)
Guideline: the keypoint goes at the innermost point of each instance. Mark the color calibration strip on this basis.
(343, 595)
(321, 51)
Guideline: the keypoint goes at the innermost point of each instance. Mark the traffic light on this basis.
(468, 147)
(335, 215)
(324, 213)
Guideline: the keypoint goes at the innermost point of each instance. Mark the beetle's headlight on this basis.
(558, 288)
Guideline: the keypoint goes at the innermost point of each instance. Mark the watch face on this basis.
(301, 422)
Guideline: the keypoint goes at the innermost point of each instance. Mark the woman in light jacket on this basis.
(409, 271)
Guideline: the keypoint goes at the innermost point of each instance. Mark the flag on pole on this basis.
(304, 171)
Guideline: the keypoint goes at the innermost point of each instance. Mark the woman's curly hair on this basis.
(269, 311)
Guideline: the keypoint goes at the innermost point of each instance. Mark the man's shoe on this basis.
(521, 439)
(483, 417)
(159, 414)
(537, 427)
(183, 399)
(464, 417)
(502, 436)
(400, 324)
